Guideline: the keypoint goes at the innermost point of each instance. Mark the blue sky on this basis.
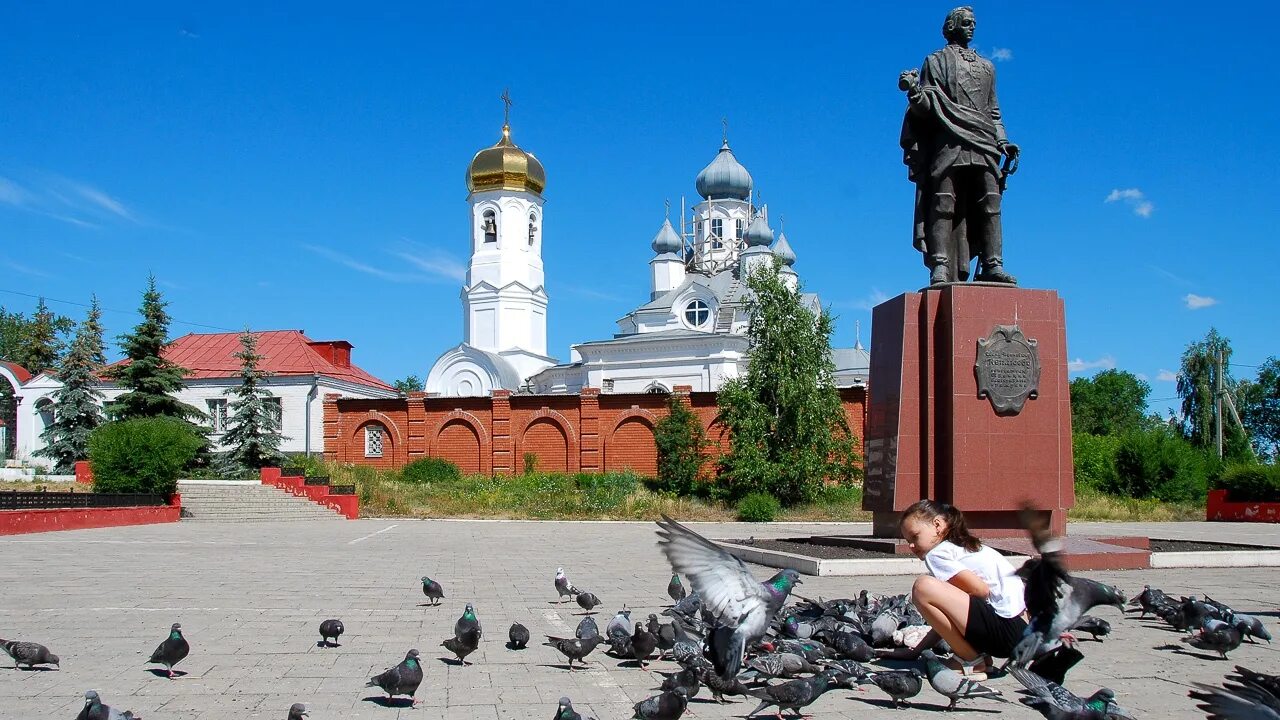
(287, 169)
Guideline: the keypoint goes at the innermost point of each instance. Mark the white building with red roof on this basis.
(301, 371)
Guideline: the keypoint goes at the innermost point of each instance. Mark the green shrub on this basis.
(758, 507)
(142, 456)
(1159, 464)
(1251, 483)
(313, 466)
(680, 442)
(840, 495)
(1095, 460)
(605, 491)
(430, 470)
(530, 463)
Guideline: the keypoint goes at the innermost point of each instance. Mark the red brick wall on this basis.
(588, 432)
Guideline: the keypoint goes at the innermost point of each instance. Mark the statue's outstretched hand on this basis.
(909, 80)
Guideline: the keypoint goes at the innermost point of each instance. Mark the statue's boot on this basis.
(993, 243)
(941, 273)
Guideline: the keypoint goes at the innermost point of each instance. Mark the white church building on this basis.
(690, 331)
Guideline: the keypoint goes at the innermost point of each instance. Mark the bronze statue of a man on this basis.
(952, 141)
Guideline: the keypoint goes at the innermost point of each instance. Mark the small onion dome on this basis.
(505, 167)
(758, 233)
(666, 241)
(783, 250)
(724, 177)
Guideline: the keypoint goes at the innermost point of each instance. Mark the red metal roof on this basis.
(18, 371)
(285, 352)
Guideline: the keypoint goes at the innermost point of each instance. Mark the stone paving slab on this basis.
(251, 597)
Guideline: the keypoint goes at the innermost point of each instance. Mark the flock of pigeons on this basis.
(735, 636)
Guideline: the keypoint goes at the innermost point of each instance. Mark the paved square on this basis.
(250, 598)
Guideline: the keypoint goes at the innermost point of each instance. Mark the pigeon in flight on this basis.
(403, 679)
(331, 629)
(28, 653)
(1239, 698)
(1052, 694)
(432, 590)
(172, 650)
(743, 608)
(1055, 600)
(94, 709)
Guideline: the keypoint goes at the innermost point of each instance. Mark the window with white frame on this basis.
(739, 228)
(717, 232)
(217, 415)
(373, 441)
(696, 314)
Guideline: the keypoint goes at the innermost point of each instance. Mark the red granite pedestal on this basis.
(930, 434)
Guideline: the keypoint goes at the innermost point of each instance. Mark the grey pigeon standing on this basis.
(1053, 694)
(94, 709)
(587, 628)
(462, 645)
(565, 711)
(900, 685)
(432, 590)
(467, 623)
(574, 648)
(28, 653)
(796, 694)
(172, 650)
(669, 705)
(1250, 626)
(1219, 637)
(1148, 600)
(743, 608)
(403, 679)
(1095, 626)
(332, 628)
(297, 711)
(588, 601)
(718, 686)
(519, 636)
(564, 588)
(643, 643)
(953, 685)
(618, 631)
(675, 590)
(686, 678)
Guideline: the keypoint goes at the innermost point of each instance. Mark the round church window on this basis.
(696, 313)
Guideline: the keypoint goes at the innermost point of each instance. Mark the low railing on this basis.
(342, 489)
(23, 500)
(318, 480)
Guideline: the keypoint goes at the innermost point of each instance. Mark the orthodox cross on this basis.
(668, 204)
(724, 130)
(506, 101)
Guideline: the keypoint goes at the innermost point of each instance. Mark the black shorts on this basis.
(989, 633)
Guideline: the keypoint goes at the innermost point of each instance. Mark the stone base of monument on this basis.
(969, 404)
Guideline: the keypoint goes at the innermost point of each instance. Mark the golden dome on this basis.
(505, 167)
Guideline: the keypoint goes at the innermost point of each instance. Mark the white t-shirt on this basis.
(947, 559)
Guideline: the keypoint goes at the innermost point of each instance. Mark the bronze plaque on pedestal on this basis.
(1008, 369)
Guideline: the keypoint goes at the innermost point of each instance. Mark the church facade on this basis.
(691, 331)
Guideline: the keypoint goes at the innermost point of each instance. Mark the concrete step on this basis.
(246, 502)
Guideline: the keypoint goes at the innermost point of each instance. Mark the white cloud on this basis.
(1001, 54)
(11, 193)
(1135, 199)
(103, 201)
(1142, 376)
(1195, 302)
(25, 269)
(436, 263)
(873, 299)
(1106, 362)
(1167, 376)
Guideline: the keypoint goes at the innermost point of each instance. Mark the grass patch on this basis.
(1100, 507)
(42, 486)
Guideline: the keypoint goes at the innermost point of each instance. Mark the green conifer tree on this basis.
(786, 422)
(77, 404)
(252, 437)
(147, 377)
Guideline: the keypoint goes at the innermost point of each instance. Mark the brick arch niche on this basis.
(392, 444)
(461, 443)
(547, 437)
(630, 446)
